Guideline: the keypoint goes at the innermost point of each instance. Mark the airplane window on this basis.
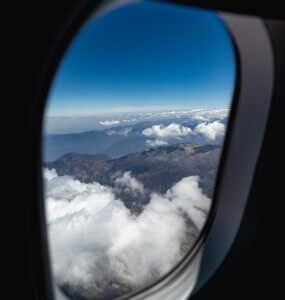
(133, 132)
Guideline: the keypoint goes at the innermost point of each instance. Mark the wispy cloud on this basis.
(129, 183)
(122, 132)
(109, 123)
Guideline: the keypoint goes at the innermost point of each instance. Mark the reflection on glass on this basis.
(132, 137)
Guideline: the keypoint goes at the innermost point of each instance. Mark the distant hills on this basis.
(114, 142)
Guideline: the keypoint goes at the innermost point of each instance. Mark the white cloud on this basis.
(122, 132)
(155, 143)
(172, 130)
(95, 240)
(109, 123)
(211, 131)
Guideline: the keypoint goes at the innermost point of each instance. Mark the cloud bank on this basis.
(71, 124)
(204, 115)
(211, 131)
(98, 245)
(208, 115)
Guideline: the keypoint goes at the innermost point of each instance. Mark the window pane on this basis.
(133, 131)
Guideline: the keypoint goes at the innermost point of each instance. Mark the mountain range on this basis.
(156, 168)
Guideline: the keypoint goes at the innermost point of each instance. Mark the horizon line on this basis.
(102, 114)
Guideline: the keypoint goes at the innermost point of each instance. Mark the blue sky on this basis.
(145, 57)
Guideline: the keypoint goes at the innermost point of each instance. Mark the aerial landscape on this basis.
(132, 137)
(113, 193)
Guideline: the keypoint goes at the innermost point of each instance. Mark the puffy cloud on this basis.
(98, 245)
(172, 130)
(211, 131)
(122, 132)
(109, 123)
(155, 143)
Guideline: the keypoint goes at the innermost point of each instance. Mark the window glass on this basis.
(133, 131)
